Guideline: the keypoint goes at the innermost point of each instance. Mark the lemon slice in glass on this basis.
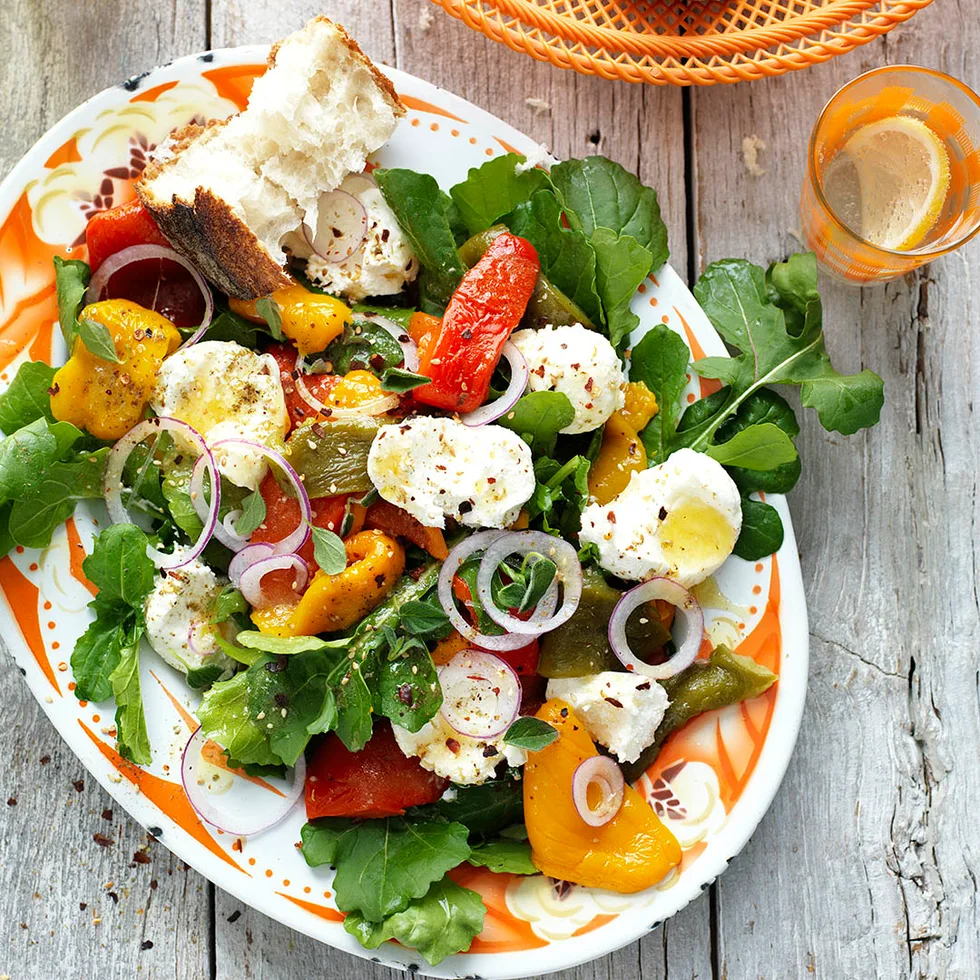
(889, 181)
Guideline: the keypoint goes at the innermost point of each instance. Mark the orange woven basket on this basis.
(697, 42)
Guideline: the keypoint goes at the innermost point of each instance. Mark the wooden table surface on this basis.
(866, 864)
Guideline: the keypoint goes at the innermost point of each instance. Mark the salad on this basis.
(423, 526)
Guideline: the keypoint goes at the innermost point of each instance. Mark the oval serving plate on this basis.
(713, 780)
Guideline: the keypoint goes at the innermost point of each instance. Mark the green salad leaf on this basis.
(756, 447)
(71, 279)
(399, 380)
(97, 339)
(504, 855)
(268, 309)
(485, 809)
(224, 716)
(762, 530)
(132, 739)
(494, 190)
(538, 417)
(660, 361)
(328, 550)
(532, 734)
(622, 263)
(364, 346)
(28, 397)
(409, 689)
(252, 516)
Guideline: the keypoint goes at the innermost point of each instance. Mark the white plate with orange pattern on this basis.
(714, 779)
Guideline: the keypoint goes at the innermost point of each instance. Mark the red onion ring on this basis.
(519, 373)
(112, 485)
(377, 407)
(140, 253)
(410, 350)
(600, 771)
(248, 556)
(295, 539)
(250, 581)
(569, 572)
(690, 614)
(341, 226)
(225, 534)
(444, 588)
(481, 694)
(239, 824)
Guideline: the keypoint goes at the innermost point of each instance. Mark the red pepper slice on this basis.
(111, 231)
(486, 307)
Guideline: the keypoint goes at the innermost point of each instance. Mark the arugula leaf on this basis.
(28, 398)
(96, 655)
(660, 361)
(484, 809)
(755, 447)
(225, 718)
(423, 214)
(230, 602)
(762, 530)
(228, 325)
(328, 550)
(443, 922)
(531, 734)
(422, 618)
(735, 296)
(284, 646)
(354, 710)
(399, 314)
(201, 678)
(383, 864)
(268, 309)
(119, 566)
(503, 855)
(599, 193)
(27, 454)
(495, 189)
(253, 514)
(131, 737)
(560, 493)
(399, 380)
(71, 279)
(97, 339)
(622, 263)
(567, 258)
(364, 346)
(408, 685)
(538, 417)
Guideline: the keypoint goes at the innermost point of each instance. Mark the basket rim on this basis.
(811, 164)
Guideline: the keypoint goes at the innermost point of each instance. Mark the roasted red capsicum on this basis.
(487, 305)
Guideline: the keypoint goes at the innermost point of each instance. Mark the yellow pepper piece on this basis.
(620, 455)
(311, 320)
(356, 388)
(631, 852)
(334, 602)
(641, 405)
(108, 399)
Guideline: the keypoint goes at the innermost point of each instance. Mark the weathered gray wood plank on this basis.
(579, 116)
(863, 865)
(68, 906)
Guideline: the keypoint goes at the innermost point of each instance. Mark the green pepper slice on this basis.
(724, 678)
(331, 457)
(548, 304)
(581, 646)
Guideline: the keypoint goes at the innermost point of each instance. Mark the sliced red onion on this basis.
(140, 253)
(454, 560)
(341, 226)
(481, 694)
(599, 771)
(222, 531)
(519, 373)
(569, 573)
(250, 582)
(377, 407)
(239, 824)
(112, 484)
(248, 556)
(410, 350)
(358, 183)
(691, 623)
(295, 539)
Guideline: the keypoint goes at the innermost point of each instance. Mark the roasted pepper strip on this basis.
(631, 852)
(107, 398)
(120, 227)
(311, 320)
(335, 602)
(487, 305)
(397, 522)
(620, 456)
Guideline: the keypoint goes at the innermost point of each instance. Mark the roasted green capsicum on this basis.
(331, 457)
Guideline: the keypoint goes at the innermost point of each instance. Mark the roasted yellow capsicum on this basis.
(631, 852)
(640, 406)
(105, 398)
(375, 562)
(310, 320)
(620, 455)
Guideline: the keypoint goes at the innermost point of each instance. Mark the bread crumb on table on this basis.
(751, 147)
(538, 105)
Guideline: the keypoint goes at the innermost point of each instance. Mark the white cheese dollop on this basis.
(385, 261)
(581, 364)
(621, 710)
(178, 618)
(679, 519)
(462, 760)
(437, 468)
(226, 391)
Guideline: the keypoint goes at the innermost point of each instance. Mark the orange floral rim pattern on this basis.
(703, 771)
(683, 42)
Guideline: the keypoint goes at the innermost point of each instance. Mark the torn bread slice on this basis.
(226, 194)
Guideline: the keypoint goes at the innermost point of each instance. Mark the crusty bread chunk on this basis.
(227, 193)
